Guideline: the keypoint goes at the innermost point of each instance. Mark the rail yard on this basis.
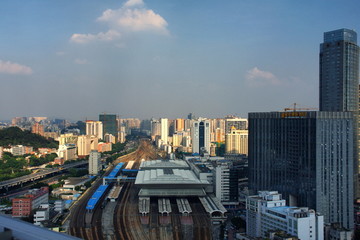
(111, 209)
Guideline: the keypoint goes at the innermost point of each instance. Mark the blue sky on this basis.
(76, 59)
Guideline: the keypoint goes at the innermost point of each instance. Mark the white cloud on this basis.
(85, 38)
(136, 20)
(81, 61)
(131, 3)
(133, 16)
(256, 78)
(14, 68)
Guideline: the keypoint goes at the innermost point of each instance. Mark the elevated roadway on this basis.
(34, 176)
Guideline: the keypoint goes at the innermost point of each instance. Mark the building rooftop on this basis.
(168, 176)
(26, 231)
(156, 164)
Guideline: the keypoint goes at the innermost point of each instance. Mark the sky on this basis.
(150, 58)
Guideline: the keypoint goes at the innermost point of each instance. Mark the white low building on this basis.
(268, 212)
(41, 215)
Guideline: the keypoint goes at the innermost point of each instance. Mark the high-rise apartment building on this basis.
(155, 128)
(38, 129)
(339, 71)
(201, 136)
(307, 157)
(179, 125)
(109, 123)
(238, 123)
(94, 162)
(164, 130)
(94, 128)
(85, 144)
(236, 141)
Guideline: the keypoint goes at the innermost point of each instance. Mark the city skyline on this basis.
(149, 59)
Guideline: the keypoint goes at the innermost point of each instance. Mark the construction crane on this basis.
(294, 108)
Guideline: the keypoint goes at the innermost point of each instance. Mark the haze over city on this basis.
(75, 59)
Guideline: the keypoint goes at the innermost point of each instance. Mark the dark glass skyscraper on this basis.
(339, 71)
(339, 82)
(307, 157)
(109, 123)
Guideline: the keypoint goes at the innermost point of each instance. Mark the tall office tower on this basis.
(339, 71)
(238, 123)
(94, 162)
(307, 157)
(339, 80)
(179, 125)
(236, 141)
(109, 123)
(94, 128)
(164, 130)
(201, 136)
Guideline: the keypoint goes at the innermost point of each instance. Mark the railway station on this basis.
(144, 206)
(213, 207)
(161, 178)
(164, 206)
(173, 181)
(114, 193)
(183, 206)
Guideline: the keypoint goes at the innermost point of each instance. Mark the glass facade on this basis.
(307, 157)
(109, 123)
(339, 71)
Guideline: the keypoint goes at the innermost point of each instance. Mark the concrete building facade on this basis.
(201, 136)
(268, 212)
(94, 128)
(236, 141)
(94, 162)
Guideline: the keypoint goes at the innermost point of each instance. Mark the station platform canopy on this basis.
(164, 164)
(168, 177)
(171, 192)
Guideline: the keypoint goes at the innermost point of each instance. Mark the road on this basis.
(34, 176)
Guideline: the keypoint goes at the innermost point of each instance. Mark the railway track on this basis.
(176, 223)
(122, 220)
(120, 223)
(201, 222)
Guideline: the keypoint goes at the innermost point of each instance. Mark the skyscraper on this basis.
(94, 162)
(109, 123)
(306, 156)
(339, 71)
(94, 128)
(201, 136)
(164, 130)
(238, 123)
(236, 141)
(339, 82)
